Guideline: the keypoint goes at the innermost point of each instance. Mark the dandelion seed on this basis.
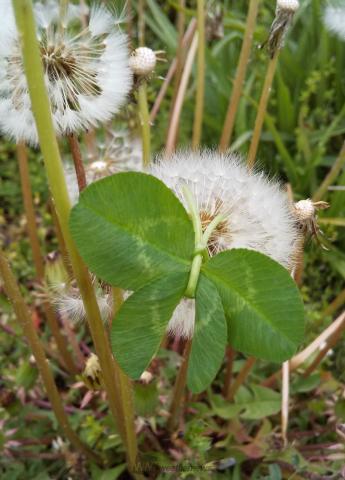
(256, 212)
(86, 72)
(334, 19)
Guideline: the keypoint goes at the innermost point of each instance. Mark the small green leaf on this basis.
(258, 403)
(261, 302)
(131, 229)
(209, 339)
(139, 326)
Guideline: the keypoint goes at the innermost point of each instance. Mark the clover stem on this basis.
(42, 113)
(179, 388)
(24, 318)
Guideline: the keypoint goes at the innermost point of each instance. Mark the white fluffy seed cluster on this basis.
(86, 71)
(288, 5)
(143, 61)
(257, 213)
(334, 20)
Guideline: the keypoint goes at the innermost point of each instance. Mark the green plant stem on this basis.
(240, 76)
(200, 92)
(144, 116)
(42, 113)
(260, 117)
(332, 176)
(194, 276)
(179, 388)
(24, 318)
(65, 356)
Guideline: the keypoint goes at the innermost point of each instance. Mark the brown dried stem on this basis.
(332, 175)
(78, 161)
(241, 377)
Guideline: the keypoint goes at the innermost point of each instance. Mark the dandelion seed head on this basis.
(143, 61)
(334, 19)
(256, 212)
(305, 209)
(86, 72)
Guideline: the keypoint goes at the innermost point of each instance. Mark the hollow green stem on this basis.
(194, 276)
(49, 147)
(144, 116)
(25, 320)
(210, 229)
(194, 214)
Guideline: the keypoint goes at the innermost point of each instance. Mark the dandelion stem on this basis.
(240, 76)
(260, 117)
(285, 400)
(172, 71)
(179, 388)
(332, 175)
(78, 161)
(42, 113)
(144, 116)
(24, 318)
(200, 93)
(22, 156)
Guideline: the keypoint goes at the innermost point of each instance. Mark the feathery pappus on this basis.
(86, 70)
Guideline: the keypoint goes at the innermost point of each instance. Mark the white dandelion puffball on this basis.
(334, 19)
(86, 71)
(257, 213)
(143, 61)
(288, 5)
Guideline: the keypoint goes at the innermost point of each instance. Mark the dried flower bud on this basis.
(304, 209)
(92, 375)
(143, 61)
(284, 14)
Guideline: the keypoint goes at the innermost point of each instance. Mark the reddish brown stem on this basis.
(179, 388)
(230, 356)
(241, 377)
(78, 161)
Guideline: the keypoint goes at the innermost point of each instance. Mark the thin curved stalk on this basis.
(49, 147)
(172, 133)
(200, 92)
(285, 400)
(144, 116)
(240, 76)
(78, 161)
(25, 320)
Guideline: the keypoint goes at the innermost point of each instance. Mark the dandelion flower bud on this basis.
(86, 72)
(143, 61)
(55, 273)
(92, 374)
(256, 211)
(305, 209)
